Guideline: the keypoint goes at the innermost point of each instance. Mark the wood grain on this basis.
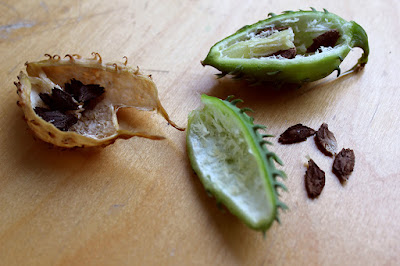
(138, 202)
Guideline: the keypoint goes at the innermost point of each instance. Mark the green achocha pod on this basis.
(231, 158)
(294, 47)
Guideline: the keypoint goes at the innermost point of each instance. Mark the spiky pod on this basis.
(232, 160)
(254, 52)
(98, 125)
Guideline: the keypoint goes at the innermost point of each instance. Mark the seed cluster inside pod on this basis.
(294, 47)
(64, 107)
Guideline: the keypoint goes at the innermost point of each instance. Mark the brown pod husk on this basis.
(97, 125)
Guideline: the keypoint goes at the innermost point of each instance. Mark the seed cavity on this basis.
(262, 42)
(327, 39)
(65, 107)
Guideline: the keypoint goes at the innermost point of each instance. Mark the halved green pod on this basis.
(294, 47)
(230, 157)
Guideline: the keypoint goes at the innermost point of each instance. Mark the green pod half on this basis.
(232, 160)
(305, 66)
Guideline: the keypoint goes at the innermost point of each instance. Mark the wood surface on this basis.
(138, 202)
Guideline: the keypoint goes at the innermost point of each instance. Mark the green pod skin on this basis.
(231, 159)
(307, 67)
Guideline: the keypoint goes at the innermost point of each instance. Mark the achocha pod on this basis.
(73, 101)
(231, 158)
(294, 47)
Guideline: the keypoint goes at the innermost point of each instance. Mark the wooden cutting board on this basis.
(138, 202)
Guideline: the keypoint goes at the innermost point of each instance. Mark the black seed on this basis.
(47, 99)
(296, 133)
(83, 93)
(327, 39)
(314, 179)
(59, 100)
(63, 100)
(325, 140)
(343, 165)
(60, 120)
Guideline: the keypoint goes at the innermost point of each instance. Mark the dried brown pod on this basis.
(326, 140)
(314, 179)
(343, 164)
(296, 133)
(84, 127)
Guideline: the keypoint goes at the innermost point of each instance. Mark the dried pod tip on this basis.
(70, 57)
(97, 57)
(126, 60)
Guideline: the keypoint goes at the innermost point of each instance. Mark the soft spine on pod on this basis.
(269, 157)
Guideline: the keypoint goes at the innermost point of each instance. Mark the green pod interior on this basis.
(232, 161)
(305, 66)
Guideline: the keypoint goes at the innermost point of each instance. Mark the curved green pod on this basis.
(294, 47)
(232, 160)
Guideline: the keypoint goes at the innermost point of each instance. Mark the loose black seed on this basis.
(83, 93)
(325, 140)
(314, 179)
(59, 100)
(343, 164)
(59, 119)
(327, 39)
(296, 133)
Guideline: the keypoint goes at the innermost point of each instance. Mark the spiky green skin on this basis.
(266, 162)
(296, 70)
